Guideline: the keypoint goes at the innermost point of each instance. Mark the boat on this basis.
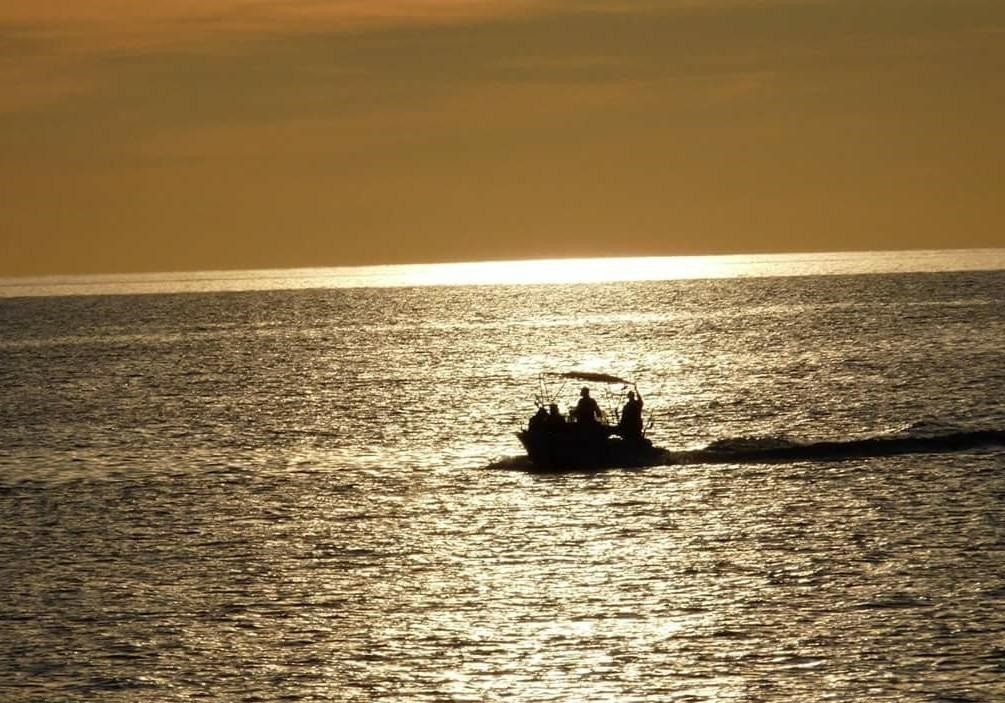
(556, 443)
(573, 450)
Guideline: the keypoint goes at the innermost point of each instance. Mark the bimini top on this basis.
(593, 376)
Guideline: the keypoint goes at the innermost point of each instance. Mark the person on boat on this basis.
(556, 420)
(586, 412)
(630, 425)
(540, 420)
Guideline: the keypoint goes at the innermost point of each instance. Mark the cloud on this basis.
(484, 115)
(50, 51)
(131, 25)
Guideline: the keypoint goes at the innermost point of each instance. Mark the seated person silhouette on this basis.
(540, 420)
(555, 421)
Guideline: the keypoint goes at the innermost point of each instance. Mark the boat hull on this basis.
(587, 450)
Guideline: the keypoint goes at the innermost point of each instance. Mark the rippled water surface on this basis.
(307, 495)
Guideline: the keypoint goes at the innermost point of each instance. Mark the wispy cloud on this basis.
(52, 50)
(127, 24)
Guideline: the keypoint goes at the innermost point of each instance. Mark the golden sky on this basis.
(219, 134)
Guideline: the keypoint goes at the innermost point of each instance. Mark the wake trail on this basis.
(767, 450)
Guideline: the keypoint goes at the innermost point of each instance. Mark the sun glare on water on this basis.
(535, 271)
(543, 271)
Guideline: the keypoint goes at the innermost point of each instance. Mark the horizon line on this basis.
(542, 271)
(187, 273)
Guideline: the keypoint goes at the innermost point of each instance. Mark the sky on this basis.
(171, 135)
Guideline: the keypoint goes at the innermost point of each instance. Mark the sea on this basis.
(306, 486)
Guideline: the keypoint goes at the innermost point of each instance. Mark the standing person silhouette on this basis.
(630, 425)
(586, 412)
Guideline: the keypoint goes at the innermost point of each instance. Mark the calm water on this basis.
(297, 495)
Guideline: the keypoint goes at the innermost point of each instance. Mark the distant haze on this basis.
(234, 134)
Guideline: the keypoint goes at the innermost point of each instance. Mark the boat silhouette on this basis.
(575, 449)
(570, 444)
(585, 439)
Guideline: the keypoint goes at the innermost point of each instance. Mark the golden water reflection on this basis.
(286, 498)
(517, 272)
(505, 589)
